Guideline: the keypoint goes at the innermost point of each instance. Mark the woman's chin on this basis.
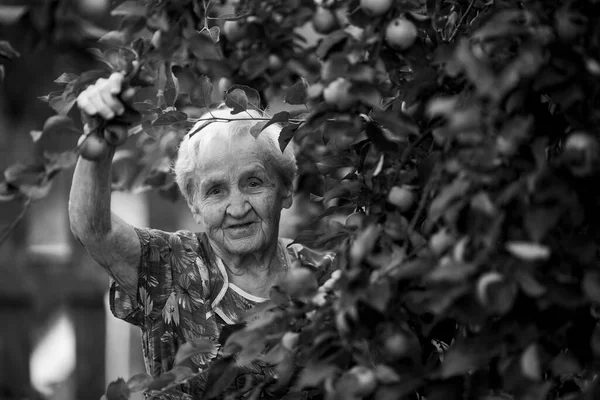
(244, 244)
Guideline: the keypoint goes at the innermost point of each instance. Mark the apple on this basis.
(234, 31)
(495, 292)
(569, 25)
(275, 62)
(441, 241)
(355, 220)
(290, 340)
(93, 8)
(396, 345)
(375, 7)
(324, 21)
(411, 109)
(402, 197)
(92, 147)
(338, 93)
(116, 134)
(366, 380)
(484, 282)
(299, 282)
(400, 33)
(582, 153)
(396, 226)
(223, 85)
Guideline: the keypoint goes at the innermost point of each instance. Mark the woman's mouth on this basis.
(240, 229)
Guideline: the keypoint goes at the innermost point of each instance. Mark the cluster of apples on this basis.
(95, 144)
(400, 33)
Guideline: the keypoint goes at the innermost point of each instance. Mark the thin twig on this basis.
(425, 197)
(460, 21)
(6, 232)
(221, 119)
(408, 151)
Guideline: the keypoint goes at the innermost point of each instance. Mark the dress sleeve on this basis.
(165, 257)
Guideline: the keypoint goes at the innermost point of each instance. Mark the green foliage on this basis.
(468, 161)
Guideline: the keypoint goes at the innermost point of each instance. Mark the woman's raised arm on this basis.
(111, 241)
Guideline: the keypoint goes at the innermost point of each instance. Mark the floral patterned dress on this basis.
(184, 293)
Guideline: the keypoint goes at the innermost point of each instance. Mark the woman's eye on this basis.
(254, 182)
(214, 192)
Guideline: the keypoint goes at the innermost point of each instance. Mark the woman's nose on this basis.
(238, 205)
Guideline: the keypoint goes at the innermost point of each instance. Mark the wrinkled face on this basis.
(240, 197)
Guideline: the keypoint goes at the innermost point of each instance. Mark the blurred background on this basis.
(58, 339)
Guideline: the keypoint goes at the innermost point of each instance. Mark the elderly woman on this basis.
(177, 286)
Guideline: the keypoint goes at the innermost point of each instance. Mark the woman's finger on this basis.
(85, 105)
(112, 102)
(114, 83)
(96, 98)
(128, 94)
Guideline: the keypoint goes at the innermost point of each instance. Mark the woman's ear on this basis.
(287, 196)
(195, 211)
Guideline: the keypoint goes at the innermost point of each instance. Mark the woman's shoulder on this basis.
(179, 249)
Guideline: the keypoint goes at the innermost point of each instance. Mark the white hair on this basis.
(227, 126)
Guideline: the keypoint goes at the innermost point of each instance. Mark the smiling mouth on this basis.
(240, 226)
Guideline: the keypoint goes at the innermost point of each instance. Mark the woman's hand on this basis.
(105, 97)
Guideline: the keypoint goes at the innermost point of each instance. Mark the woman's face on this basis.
(240, 197)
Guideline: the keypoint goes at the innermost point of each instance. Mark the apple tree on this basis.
(455, 148)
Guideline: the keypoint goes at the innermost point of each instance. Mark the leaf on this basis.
(453, 271)
(204, 48)
(214, 32)
(117, 390)
(201, 93)
(251, 94)
(343, 189)
(456, 190)
(115, 38)
(146, 106)
(58, 161)
(57, 124)
(255, 65)
(161, 381)
(329, 42)
(35, 135)
(171, 91)
(258, 128)
(296, 94)
(8, 192)
(221, 374)
(169, 118)
(129, 8)
(530, 363)
(7, 50)
(139, 382)
(591, 286)
(400, 126)
(460, 359)
(194, 347)
(66, 77)
(286, 135)
(181, 373)
(237, 100)
(332, 163)
(313, 374)
(61, 105)
(528, 251)
(24, 174)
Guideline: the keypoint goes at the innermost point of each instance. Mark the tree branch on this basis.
(460, 21)
(7, 231)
